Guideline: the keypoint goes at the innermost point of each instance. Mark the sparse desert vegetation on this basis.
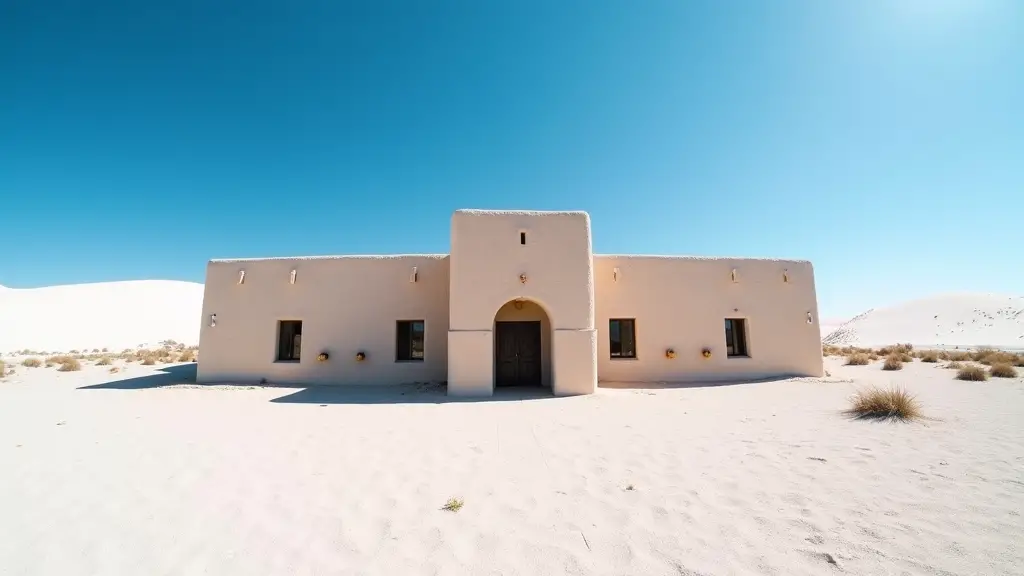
(972, 373)
(453, 505)
(32, 362)
(893, 362)
(69, 365)
(930, 356)
(858, 359)
(884, 404)
(104, 361)
(1002, 371)
(954, 365)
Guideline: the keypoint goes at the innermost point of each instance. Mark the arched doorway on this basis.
(522, 345)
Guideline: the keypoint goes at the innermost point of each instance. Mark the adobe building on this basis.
(520, 301)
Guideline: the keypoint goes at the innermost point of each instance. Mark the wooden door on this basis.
(517, 354)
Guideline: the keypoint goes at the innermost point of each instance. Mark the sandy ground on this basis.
(107, 475)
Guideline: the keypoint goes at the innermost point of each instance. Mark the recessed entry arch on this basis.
(522, 344)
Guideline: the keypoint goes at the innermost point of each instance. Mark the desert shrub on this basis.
(58, 359)
(1002, 371)
(70, 365)
(73, 352)
(32, 362)
(954, 365)
(930, 356)
(905, 357)
(972, 373)
(829, 350)
(893, 362)
(3, 367)
(1019, 360)
(187, 356)
(959, 356)
(897, 348)
(998, 357)
(105, 361)
(857, 360)
(148, 361)
(884, 404)
(114, 370)
(872, 356)
(943, 355)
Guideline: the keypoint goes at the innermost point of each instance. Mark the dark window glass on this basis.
(622, 337)
(736, 337)
(289, 340)
(409, 340)
(522, 237)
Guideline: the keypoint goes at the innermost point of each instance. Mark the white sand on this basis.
(946, 320)
(113, 315)
(763, 478)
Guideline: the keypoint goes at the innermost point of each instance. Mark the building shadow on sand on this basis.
(419, 393)
(322, 394)
(164, 376)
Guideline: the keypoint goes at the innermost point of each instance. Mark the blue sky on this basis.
(883, 140)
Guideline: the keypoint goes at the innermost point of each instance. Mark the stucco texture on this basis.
(543, 261)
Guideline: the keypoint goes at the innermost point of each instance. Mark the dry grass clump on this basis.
(904, 357)
(70, 365)
(105, 361)
(959, 356)
(149, 361)
(884, 404)
(32, 362)
(943, 355)
(930, 356)
(3, 367)
(893, 362)
(114, 370)
(954, 365)
(453, 505)
(830, 350)
(998, 357)
(1019, 361)
(58, 359)
(896, 348)
(187, 356)
(972, 373)
(857, 360)
(1003, 371)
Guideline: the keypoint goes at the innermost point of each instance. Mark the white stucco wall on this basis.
(352, 303)
(346, 304)
(682, 303)
(488, 261)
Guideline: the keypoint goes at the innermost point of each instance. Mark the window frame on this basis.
(401, 347)
(743, 338)
(292, 356)
(631, 322)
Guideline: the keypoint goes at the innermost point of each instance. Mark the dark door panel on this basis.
(517, 354)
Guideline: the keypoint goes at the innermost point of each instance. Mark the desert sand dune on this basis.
(949, 320)
(113, 315)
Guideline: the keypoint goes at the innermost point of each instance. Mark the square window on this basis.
(289, 340)
(409, 341)
(736, 337)
(622, 337)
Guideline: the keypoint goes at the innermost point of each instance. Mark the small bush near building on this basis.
(70, 365)
(972, 373)
(857, 360)
(884, 404)
(893, 362)
(1002, 371)
(32, 362)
